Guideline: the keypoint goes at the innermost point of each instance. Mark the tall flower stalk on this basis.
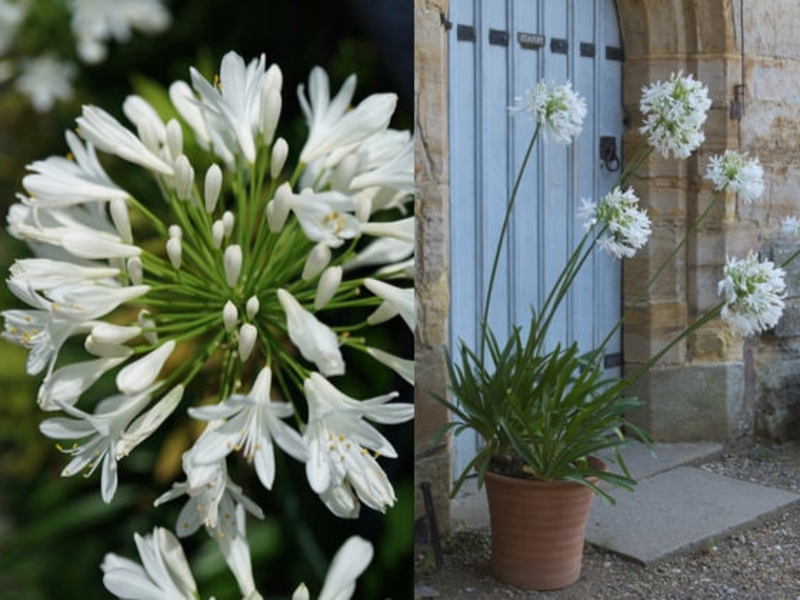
(230, 284)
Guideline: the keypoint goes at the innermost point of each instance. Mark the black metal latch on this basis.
(608, 152)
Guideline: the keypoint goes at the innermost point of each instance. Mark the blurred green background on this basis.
(54, 531)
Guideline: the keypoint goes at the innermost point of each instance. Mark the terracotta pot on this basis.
(538, 529)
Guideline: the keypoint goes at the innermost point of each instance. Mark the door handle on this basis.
(608, 152)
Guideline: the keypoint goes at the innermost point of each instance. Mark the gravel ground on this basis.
(759, 563)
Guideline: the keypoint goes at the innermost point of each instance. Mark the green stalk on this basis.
(503, 230)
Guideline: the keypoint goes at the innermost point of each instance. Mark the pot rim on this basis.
(594, 461)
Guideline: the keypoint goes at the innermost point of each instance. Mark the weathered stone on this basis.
(778, 392)
(435, 467)
(693, 403)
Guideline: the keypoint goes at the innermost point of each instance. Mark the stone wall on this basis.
(771, 130)
(433, 461)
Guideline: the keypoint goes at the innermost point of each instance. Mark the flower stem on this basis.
(503, 231)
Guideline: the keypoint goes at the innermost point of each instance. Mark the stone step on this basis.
(680, 509)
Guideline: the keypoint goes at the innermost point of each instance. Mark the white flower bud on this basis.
(247, 340)
(148, 325)
(227, 222)
(108, 333)
(184, 178)
(217, 233)
(213, 185)
(122, 221)
(140, 374)
(175, 231)
(317, 260)
(174, 139)
(270, 104)
(106, 350)
(273, 78)
(174, 251)
(301, 592)
(327, 286)
(136, 270)
(230, 315)
(278, 208)
(149, 133)
(233, 263)
(252, 307)
(280, 150)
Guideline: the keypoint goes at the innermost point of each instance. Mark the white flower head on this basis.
(753, 291)
(674, 113)
(101, 432)
(790, 225)
(232, 109)
(163, 575)
(626, 226)
(251, 423)
(212, 498)
(45, 80)
(95, 22)
(340, 466)
(350, 561)
(556, 108)
(742, 175)
(335, 129)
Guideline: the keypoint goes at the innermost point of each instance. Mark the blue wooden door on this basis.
(497, 50)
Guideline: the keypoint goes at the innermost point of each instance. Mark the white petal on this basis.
(139, 375)
(315, 340)
(349, 563)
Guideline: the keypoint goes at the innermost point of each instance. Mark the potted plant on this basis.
(546, 415)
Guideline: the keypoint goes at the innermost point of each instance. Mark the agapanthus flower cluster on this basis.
(735, 171)
(625, 227)
(790, 225)
(47, 78)
(556, 108)
(228, 284)
(674, 113)
(753, 292)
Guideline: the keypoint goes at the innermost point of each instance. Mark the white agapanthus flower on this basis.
(674, 113)
(163, 575)
(233, 279)
(740, 174)
(351, 560)
(625, 226)
(753, 294)
(790, 225)
(211, 498)
(252, 422)
(45, 80)
(101, 432)
(97, 22)
(556, 108)
(340, 467)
